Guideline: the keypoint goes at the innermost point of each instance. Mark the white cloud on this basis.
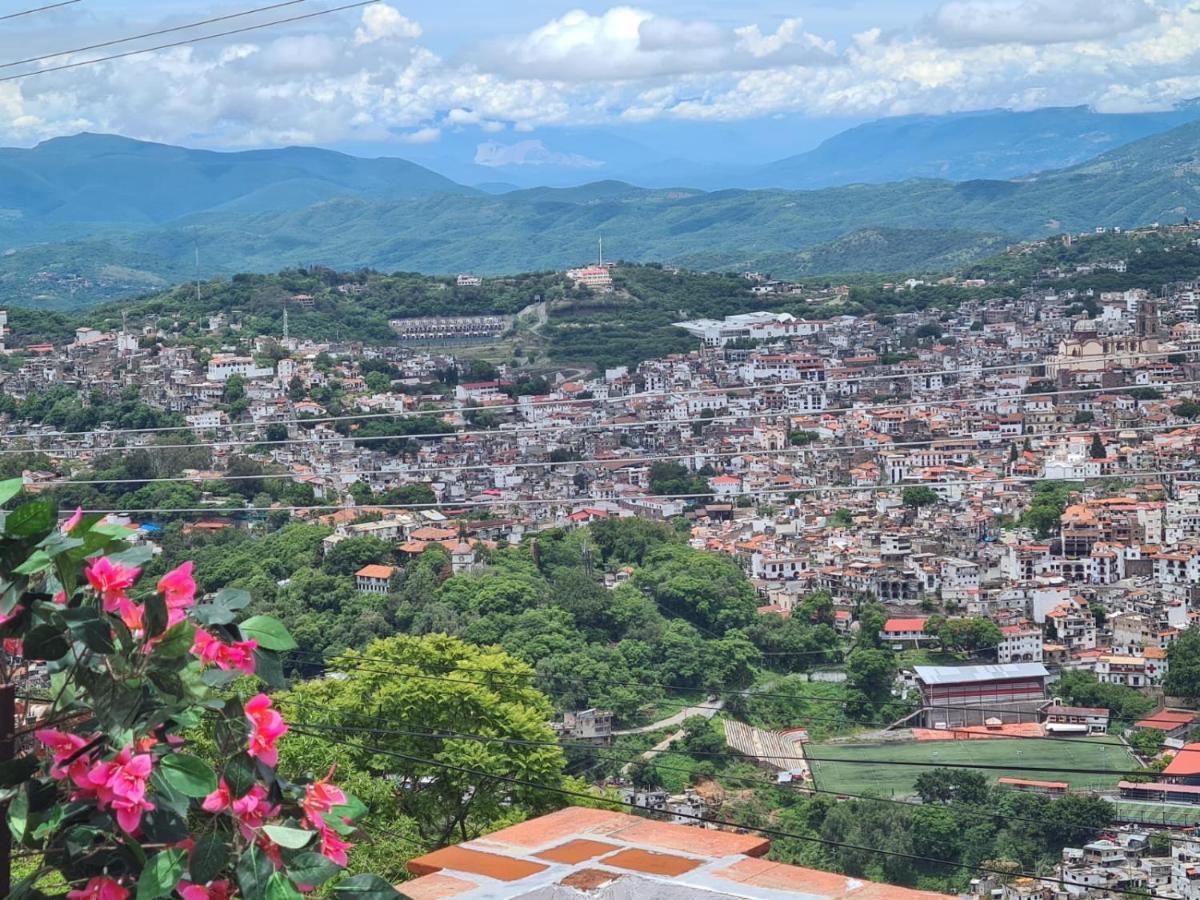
(422, 136)
(370, 80)
(529, 153)
(1039, 21)
(381, 22)
(626, 43)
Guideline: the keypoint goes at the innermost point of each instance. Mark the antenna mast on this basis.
(601, 251)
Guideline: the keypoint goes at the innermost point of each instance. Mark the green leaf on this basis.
(254, 871)
(25, 890)
(38, 561)
(221, 608)
(208, 859)
(240, 774)
(365, 887)
(269, 632)
(45, 642)
(280, 888)
(220, 677)
(18, 815)
(155, 615)
(269, 668)
(161, 874)
(86, 626)
(312, 869)
(115, 532)
(9, 489)
(352, 809)
(291, 838)
(166, 795)
(138, 555)
(189, 775)
(163, 825)
(17, 772)
(30, 519)
(57, 543)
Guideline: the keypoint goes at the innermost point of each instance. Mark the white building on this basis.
(222, 368)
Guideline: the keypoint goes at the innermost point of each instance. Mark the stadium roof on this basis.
(961, 674)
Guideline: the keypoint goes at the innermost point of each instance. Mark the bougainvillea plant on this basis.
(110, 797)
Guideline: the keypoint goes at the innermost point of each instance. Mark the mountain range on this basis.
(91, 217)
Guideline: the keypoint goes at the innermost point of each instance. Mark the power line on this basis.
(183, 43)
(329, 509)
(37, 9)
(771, 832)
(637, 396)
(633, 756)
(622, 461)
(148, 34)
(353, 664)
(537, 428)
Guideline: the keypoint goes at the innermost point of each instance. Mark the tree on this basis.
(394, 688)
(871, 672)
(235, 389)
(1097, 450)
(919, 496)
(157, 772)
(952, 785)
(1147, 742)
(348, 556)
(1183, 658)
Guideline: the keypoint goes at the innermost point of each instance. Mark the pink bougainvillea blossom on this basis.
(72, 523)
(267, 727)
(100, 888)
(212, 651)
(111, 580)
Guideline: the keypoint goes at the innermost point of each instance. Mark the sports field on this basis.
(1158, 813)
(865, 769)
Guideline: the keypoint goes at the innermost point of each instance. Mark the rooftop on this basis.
(960, 674)
(576, 853)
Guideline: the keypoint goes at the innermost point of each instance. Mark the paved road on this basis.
(708, 710)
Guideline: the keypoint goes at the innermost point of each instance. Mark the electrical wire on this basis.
(637, 396)
(188, 41)
(37, 9)
(580, 501)
(634, 756)
(620, 462)
(353, 664)
(561, 428)
(149, 34)
(770, 832)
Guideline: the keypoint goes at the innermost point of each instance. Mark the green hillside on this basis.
(911, 225)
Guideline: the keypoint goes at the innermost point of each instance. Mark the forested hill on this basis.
(581, 327)
(431, 226)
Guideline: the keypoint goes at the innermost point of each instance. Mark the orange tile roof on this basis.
(375, 572)
(1186, 762)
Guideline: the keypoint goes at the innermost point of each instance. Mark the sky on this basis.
(547, 83)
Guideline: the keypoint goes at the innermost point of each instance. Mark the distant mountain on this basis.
(392, 216)
(964, 146)
(68, 187)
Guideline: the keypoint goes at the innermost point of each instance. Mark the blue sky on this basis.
(552, 84)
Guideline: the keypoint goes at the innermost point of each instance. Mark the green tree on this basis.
(446, 804)
(348, 556)
(919, 496)
(1183, 658)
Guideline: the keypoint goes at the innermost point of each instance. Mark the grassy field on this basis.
(1165, 813)
(854, 776)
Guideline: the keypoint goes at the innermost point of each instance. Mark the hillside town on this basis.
(1013, 483)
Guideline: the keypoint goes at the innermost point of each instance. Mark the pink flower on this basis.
(211, 651)
(71, 523)
(267, 727)
(16, 611)
(111, 580)
(321, 797)
(61, 598)
(333, 847)
(63, 745)
(100, 888)
(178, 587)
(252, 810)
(217, 890)
(218, 800)
(14, 646)
(121, 783)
